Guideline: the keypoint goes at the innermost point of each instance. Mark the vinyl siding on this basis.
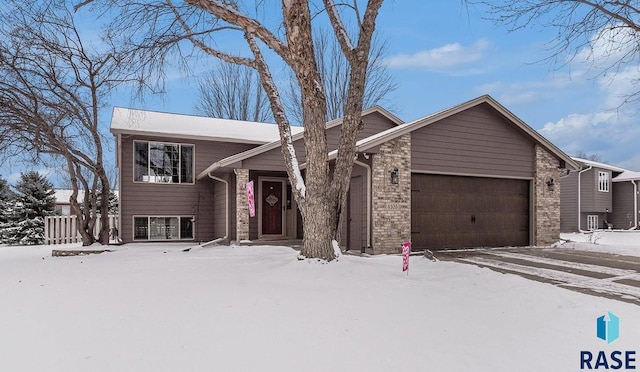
(592, 199)
(358, 173)
(272, 159)
(201, 200)
(474, 142)
(569, 203)
(623, 205)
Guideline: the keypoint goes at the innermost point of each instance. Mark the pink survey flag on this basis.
(251, 197)
(406, 250)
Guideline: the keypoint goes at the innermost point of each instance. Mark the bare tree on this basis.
(604, 32)
(233, 91)
(158, 26)
(583, 155)
(52, 89)
(334, 69)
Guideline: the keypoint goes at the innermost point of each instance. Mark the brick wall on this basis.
(242, 205)
(391, 213)
(547, 199)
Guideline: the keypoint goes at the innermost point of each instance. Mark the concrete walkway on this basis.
(599, 274)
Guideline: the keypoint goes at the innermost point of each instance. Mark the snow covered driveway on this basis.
(598, 273)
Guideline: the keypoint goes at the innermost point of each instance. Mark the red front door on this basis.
(271, 206)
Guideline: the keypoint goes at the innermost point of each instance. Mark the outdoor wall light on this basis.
(551, 184)
(394, 176)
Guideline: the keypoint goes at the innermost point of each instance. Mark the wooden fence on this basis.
(63, 229)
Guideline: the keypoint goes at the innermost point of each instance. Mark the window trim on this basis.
(149, 142)
(591, 218)
(603, 181)
(179, 232)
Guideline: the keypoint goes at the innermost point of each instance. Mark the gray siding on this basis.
(569, 203)
(592, 199)
(623, 205)
(474, 142)
(201, 200)
(358, 173)
(272, 159)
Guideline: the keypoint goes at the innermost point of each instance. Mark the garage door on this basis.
(460, 212)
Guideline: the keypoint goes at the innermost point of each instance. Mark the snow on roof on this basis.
(599, 165)
(627, 175)
(132, 121)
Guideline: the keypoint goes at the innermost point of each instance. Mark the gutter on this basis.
(368, 202)
(580, 196)
(226, 212)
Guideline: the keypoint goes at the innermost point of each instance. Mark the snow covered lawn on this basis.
(156, 308)
(610, 241)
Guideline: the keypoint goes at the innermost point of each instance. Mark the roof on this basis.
(294, 137)
(133, 121)
(599, 165)
(627, 175)
(389, 134)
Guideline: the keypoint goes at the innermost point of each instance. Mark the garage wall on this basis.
(476, 141)
(391, 203)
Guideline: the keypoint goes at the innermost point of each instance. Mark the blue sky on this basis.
(442, 53)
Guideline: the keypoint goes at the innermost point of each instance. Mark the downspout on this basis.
(119, 165)
(226, 212)
(368, 201)
(635, 204)
(580, 197)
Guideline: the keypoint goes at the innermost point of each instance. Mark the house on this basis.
(598, 196)
(626, 198)
(63, 205)
(468, 176)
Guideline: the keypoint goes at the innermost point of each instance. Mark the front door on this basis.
(271, 206)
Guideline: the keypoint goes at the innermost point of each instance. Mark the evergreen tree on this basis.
(5, 206)
(34, 201)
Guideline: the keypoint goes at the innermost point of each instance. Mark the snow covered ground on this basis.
(156, 308)
(611, 241)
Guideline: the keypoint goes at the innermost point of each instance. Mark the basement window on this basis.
(162, 228)
(592, 222)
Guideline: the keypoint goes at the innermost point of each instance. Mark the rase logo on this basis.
(608, 329)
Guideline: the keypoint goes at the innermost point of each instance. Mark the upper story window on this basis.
(160, 162)
(603, 181)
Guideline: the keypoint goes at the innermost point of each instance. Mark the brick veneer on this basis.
(547, 199)
(242, 205)
(391, 202)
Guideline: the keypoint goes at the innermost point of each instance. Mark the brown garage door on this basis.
(459, 212)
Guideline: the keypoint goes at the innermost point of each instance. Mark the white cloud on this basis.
(609, 47)
(442, 58)
(611, 135)
(525, 91)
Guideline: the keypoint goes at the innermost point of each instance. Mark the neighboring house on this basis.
(472, 175)
(63, 206)
(598, 196)
(626, 198)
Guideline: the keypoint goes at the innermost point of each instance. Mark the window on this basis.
(592, 222)
(159, 162)
(603, 181)
(163, 228)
